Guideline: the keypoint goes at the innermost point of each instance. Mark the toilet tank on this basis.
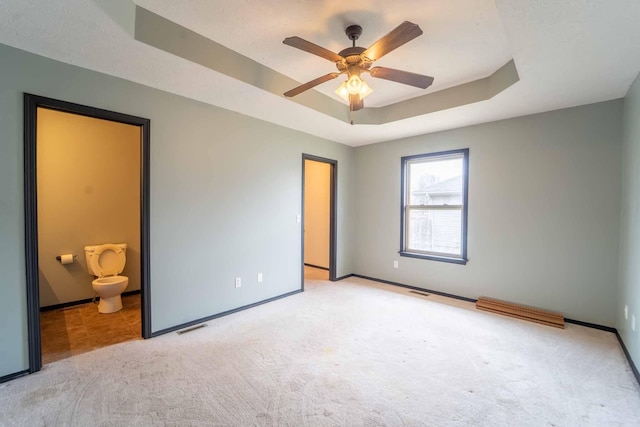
(88, 253)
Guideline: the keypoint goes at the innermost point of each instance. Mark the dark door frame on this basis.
(333, 209)
(31, 105)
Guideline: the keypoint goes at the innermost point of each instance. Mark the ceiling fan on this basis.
(353, 61)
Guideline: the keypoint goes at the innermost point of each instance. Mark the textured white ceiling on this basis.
(567, 53)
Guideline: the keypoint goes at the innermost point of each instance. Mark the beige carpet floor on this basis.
(351, 353)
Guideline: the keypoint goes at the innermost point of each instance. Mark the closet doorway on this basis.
(319, 218)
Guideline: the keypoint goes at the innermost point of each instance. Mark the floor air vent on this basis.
(521, 312)
(424, 294)
(184, 331)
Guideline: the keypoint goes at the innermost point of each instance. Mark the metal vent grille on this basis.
(424, 294)
(184, 331)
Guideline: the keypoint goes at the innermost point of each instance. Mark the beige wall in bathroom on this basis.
(317, 182)
(88, 193)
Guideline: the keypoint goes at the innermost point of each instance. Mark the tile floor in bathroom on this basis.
(73, 330)
(313, 273)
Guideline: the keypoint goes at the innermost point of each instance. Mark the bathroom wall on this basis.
(88, 193)
(225, 191)
(317, 200)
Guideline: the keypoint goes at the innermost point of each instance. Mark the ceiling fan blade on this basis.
(405, 77)
(402, 34)
(302, 44)
(312, 83)
(355, 102)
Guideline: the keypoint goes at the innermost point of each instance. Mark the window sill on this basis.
(461, 261)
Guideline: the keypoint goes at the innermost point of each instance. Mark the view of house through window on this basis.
(434, 205)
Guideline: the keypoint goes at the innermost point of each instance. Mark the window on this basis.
(434, 206)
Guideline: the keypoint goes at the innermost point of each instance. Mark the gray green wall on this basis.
(629, 293)
(544, 209)
(225, 191)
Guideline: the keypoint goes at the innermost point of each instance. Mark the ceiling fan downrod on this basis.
(353, 33)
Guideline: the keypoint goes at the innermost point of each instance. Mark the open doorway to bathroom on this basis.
(86, 184)
(319, 217)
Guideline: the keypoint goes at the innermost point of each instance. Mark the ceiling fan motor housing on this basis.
(353, 57)
(353, 61)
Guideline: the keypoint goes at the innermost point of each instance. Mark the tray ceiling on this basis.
(564, 54)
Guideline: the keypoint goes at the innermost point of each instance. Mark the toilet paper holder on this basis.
(59, 257)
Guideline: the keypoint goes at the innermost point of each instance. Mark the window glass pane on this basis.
(435, 182)
(435, 231)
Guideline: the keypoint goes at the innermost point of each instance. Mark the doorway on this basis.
(319, 181)
(40, 231)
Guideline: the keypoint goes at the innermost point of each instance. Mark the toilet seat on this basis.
(111, 268)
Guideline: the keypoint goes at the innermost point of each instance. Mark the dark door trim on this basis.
(333, 209)
(31, 105)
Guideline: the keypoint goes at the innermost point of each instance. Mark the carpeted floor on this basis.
(351, 353)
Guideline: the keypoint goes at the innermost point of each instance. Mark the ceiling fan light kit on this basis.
(354, 86)
(354, 60)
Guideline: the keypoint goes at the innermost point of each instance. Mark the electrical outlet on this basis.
(259, 277)
(633, 322)
(395, 264)
(626, 312)
(298, 218)
(238, 282)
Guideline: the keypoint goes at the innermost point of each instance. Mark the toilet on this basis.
(106, 262)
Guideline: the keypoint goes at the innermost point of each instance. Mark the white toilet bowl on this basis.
(109, 289)
(107, 262)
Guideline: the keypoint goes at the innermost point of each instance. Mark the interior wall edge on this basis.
(628, 301)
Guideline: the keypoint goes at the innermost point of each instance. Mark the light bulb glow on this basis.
(364, 90)
(354, 84)
(343, 91)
